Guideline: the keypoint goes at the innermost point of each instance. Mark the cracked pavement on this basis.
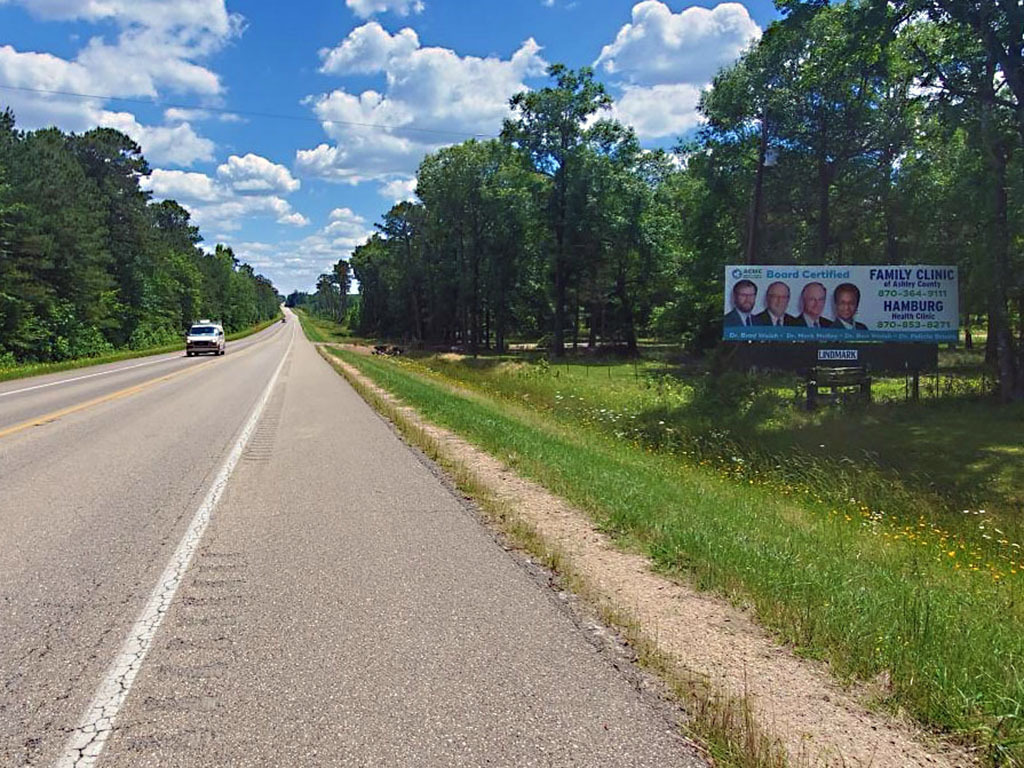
(93, 506)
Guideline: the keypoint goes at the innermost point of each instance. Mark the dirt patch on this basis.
(796, 701)
(358, 349)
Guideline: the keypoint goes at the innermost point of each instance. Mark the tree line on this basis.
(557, 229)
(857, 132)
(331, 299)
(90, 264)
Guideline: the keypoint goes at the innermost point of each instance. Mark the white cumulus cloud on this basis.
(181, 185)
(253, 173)
(296, 264)
(214, 204)
(345, 225)
(399, 190)
(296, 219)
(368, 49)
(660, 47)
(143, 48)
(42, 70)
(227, 214)
(366, 8)
(146, 62)
(662, 61)
(659, 111)
(209, 15)
(434, 97)
(179, 115)
(161, 144)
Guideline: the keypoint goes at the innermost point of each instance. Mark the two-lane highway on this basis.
(91, 505)
(240, 564)
(23, 400)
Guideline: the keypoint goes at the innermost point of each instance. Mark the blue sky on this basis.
(288, 128)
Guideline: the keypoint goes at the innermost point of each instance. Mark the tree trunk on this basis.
(754, 221)
(824, 185)
(474, 313)
(627, 311)
(414, 299)
(1020, 322)
(990, 339)
(891, 238)
(460, 302)
(558, 339)
(418, 326)
(499, 321)
(561, 267)
(576, 322)
(1019, 393)
(997, 150)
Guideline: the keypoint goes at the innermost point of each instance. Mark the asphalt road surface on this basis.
(232, 561)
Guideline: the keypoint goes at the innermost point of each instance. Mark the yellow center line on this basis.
(39, 421)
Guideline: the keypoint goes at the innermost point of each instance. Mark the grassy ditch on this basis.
(905, 605)
(318, 329)
(323, 330)
(957, 460)
(38, 369)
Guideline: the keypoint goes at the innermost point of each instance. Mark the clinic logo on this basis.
(751, 273)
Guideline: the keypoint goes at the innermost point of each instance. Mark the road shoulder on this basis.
(730, 673)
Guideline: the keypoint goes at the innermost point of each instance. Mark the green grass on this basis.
(322, 330)
(935, 612)
(938, 457)
(38, 369)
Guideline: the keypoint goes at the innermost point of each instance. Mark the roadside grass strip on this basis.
(889, 464)
(310, 327)
(321, 330)
(939, 643)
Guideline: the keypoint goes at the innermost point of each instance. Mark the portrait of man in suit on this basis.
(776, 302)
(744, 294)
(846, 298)
(812, 304)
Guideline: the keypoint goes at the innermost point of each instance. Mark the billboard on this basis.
(817, 303)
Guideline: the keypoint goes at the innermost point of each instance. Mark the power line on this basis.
(243, 113)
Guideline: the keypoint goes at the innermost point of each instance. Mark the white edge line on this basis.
(87, 376)
(88, 739)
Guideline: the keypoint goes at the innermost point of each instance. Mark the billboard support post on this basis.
(841, 382)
